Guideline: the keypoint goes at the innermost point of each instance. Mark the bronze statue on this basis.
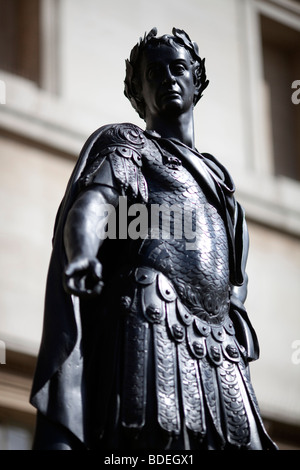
(146, 341)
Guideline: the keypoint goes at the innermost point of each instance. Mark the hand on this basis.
(83, 277)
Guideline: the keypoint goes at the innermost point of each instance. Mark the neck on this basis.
(180, 128)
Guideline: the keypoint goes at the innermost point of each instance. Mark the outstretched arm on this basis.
(82, 239)
(117, 167)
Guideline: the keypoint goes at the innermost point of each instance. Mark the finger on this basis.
(75, 284)
(97, 289)
(83, 277)
(96, 268)
(70, 286)
(75, 266)
(80, 287)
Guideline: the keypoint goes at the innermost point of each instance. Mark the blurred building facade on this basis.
(62, 68)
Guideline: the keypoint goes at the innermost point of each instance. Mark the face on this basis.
(167, 79)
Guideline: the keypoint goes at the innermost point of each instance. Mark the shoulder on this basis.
(115, 154)
(120, 134)
(122, 139)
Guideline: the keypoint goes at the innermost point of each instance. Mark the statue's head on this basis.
(151, 41)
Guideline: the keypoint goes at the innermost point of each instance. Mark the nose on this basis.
(168, 77)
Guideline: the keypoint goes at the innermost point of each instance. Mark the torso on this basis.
(198, 267)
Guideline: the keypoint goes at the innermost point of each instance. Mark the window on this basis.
(281, 52)
(20, 38)
(17, 416)
(15, 437)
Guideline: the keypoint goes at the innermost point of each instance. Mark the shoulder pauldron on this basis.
(122, 146)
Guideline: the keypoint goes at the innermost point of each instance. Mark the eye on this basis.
(153, 72)
(178, 69)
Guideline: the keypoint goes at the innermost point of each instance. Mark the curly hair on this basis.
(179, 38)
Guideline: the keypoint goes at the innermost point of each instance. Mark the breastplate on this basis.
(195, 259)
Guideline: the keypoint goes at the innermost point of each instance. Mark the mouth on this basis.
(170, 94)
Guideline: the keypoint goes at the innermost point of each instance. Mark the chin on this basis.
(172, 109)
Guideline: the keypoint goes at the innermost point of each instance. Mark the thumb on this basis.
(76, 265)
(96, 268)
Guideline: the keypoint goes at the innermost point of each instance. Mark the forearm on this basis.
(239, 293)
(81, 233)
